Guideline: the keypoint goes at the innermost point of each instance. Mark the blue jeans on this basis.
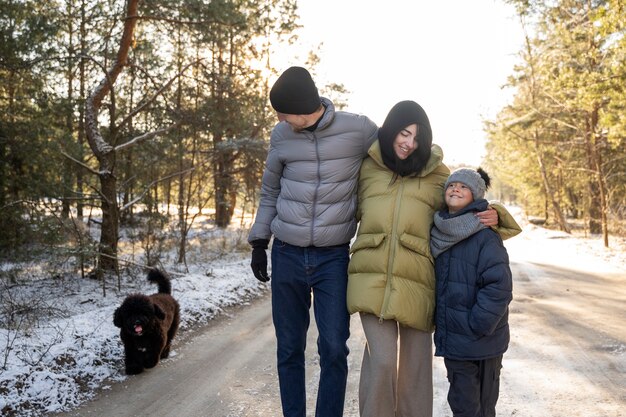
(296, 273)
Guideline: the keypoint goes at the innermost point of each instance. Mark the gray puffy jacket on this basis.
(308, 194)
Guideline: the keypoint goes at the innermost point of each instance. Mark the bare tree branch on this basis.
(145, 136)
(88, 168)
(187, 22)
(147, 188)
(154, 97)
(97, 143)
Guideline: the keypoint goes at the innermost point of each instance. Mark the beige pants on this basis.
(397, 370)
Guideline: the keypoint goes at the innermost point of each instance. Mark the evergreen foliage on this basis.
(182, 124)
(560, 144)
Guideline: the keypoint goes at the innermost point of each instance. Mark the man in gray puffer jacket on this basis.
(308, 203)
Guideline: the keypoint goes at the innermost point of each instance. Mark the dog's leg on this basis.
(132, 360)
(165, 352)
(151, 359)
(171, 333)
(152, 354)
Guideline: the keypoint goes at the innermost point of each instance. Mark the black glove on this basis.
(259, 259)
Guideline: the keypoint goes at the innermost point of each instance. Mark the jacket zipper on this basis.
(392, 250)
(319, 180)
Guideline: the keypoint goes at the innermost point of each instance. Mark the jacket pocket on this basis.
(367, 240)
(417, 244)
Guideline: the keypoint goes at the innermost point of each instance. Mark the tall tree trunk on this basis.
(556, 207)
(127, 215)
(104, 151)
(598, 202)
(225, 197)
(109, 234)
(81, 111)
(68, 166)
(182, 206)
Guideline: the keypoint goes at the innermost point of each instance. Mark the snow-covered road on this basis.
(567, 355)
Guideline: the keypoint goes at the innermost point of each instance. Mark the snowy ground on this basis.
(61, 344)
(59, 362)
(567, 354)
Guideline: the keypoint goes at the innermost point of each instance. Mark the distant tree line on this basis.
(558, 148)
(119, 104)
(106, 104)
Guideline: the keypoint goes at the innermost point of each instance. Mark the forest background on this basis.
(133, 133)
(141, 116)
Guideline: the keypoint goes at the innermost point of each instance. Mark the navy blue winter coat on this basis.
(473, 290)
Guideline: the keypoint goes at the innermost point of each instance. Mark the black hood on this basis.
(401, 115)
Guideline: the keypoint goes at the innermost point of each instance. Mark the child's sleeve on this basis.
(495, 287)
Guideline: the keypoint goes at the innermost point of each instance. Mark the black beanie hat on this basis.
(294, 92)
(401, 115)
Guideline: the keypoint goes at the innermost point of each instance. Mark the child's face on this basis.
(458, 195)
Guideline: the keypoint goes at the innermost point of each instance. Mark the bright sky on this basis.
(452, 57)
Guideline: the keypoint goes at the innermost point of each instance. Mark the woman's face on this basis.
(406, 142)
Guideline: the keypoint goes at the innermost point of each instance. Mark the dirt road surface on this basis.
(567, 358)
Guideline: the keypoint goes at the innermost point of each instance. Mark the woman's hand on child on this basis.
(488, 217)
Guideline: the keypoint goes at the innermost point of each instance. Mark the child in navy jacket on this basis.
(473, 292)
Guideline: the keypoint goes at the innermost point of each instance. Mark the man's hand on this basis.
(488, 217)
(259, 259)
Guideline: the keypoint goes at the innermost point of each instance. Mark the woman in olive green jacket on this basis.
(391, 275)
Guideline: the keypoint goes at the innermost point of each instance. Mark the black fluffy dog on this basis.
(148, 324)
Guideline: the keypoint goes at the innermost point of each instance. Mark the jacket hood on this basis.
(401, 115)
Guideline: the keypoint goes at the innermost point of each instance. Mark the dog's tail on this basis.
(159, 278)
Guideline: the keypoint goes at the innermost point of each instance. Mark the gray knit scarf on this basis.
(449, 229)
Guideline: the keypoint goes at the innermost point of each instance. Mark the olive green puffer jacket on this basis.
(391, 272)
